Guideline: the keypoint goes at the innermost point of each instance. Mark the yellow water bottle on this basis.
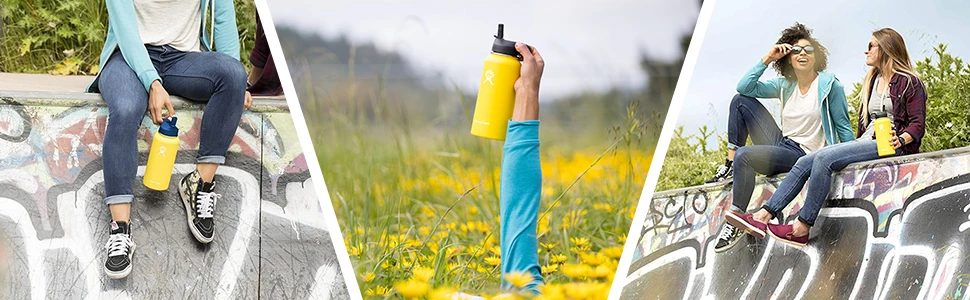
(161, 157)
(882, 126)
(496, 92)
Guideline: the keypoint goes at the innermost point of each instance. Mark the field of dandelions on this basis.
(418, 200)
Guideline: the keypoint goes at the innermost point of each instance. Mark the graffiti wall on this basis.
(271, 238)
(892, 229)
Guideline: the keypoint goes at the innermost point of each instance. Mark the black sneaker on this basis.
(120, 249)
(729, 237)
(723, 172)
(200, 200)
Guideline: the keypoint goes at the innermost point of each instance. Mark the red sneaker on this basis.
(784, 233)
(746, 222)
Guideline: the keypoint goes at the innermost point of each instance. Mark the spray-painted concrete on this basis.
(892, 229)
(271, 239)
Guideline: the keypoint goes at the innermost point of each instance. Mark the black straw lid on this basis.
(503, 46)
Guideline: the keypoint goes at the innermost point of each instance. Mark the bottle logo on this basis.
(488, 77)
(161, 150)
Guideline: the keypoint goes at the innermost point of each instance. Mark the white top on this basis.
(801, 120)
(177, 23)
(878, 102)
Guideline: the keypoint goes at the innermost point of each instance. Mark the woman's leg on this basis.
(521, 184)
(219, 80)
(789, 187)
(827, 162)
(127, 102)
(758, 159)
(747, 117)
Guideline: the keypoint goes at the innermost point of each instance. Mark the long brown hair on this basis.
(893, 58)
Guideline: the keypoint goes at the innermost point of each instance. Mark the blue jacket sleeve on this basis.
(225, 32)
(751, 86)
(121, 14)
(839, 112)
(519, 197)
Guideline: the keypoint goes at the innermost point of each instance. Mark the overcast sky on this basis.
(588, 45)
(741, 32)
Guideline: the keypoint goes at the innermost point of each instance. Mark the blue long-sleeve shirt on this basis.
(521, 184)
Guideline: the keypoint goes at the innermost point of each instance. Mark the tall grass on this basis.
(418, 200)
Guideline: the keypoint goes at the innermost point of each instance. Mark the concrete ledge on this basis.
(44, 98)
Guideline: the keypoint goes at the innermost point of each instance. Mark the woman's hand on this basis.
(776, 53)
(527, 86)
(249, 101)
(894, 140)
(158, 99)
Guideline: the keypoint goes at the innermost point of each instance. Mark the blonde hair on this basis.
(893, 59)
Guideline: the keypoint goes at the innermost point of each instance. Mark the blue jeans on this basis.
(211, 77)
(772, 152)
(817, 169)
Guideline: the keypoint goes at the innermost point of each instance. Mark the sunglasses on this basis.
(798, 49)
(872, 45)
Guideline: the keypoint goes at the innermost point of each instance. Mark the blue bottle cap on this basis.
(168, 127)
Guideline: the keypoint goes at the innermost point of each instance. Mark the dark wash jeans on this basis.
(211, 77)
(772, 152)
(817, 169)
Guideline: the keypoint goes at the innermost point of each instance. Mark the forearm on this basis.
(254, 74)
(526, 106)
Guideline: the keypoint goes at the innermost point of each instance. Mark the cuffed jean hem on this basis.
(773, 213)
(738, 209)
(810, 224)
(211, 159)
(733, 146)
(119, 199)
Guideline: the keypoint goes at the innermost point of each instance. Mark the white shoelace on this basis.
(721, 171)
(118, 244)
(205, 202)
(727, 232)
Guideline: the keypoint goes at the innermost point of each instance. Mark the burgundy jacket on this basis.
(909, 109)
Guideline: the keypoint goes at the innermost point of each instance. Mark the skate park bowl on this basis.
(271, 238)
(893, 228)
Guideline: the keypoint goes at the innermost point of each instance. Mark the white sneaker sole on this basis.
(188, 218)
(741, 223)
(123, 273)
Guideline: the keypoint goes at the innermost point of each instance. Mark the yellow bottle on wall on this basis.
(882, 126)
(161, 157)
(496, 92)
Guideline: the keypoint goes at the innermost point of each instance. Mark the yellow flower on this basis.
(442, 294)
(548, 246)
(412, 288)
(603, 206)
(518, 279)
(580, 241)
(422, 273)
(601, 272)
(593, 259)
(557, 258)
(368, 276)
(380, 290)
(493, 260)
(548, 269)
(576, 271)
(357, 250)
(612, 252)
(472, 210)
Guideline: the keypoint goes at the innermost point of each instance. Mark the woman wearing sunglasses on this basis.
(891, 87)
(814, 114)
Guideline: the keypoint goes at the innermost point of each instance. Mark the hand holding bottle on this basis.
(527, 86)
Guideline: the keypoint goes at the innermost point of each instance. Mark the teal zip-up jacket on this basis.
(123, 34)
(833, 106)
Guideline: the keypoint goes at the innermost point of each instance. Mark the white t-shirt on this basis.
(177, 23)
(801, 120)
